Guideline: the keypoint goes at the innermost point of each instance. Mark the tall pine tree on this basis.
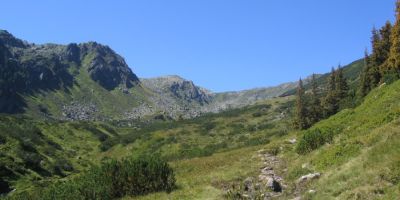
(364, 78)
(375, 60)
(330, 103)
(315, 109)
(394, 54)
(384, 44)
(341, 87)
(300, 121)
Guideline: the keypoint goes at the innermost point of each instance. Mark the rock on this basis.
(292, 141)
(248, 184)
(125, 91)
(274, 185)
(309, 177)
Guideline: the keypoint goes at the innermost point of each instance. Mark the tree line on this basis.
(313, 106)
(381, 66)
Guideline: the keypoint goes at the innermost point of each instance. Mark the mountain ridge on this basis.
(90, 81)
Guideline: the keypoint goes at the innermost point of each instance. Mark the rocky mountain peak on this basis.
(9, 40)
(178, 87)
(106, 67)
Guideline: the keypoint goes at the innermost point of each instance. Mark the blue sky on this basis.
(221, 45)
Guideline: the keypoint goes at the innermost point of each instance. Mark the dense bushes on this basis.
(312, 139)
(113, 179)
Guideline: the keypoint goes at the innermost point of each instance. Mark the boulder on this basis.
(274, 185)
(292, 141)
(248, 184)
(308, 177)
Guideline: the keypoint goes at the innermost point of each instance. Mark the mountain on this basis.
(74, 81)
(90, 81)
(184, 95)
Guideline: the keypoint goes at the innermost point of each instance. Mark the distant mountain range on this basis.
(89, 81)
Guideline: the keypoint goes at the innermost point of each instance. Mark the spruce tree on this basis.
(384, 44)
(375, 60)
(394, 54)
(364, 78)
(384, 52)
(330, 102)
(342, 87)
(300, 121)
(315, 113)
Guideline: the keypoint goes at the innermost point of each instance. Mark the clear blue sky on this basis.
(219, 44)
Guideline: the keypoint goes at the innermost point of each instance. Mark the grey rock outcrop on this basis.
(308, 177)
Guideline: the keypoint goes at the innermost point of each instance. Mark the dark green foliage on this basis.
(382, 50)
(375, 60)
(394, 55)
(300, 120)
(342, 87)
(338, 92)
(315, 109)
(113, 179)
(330, 103)
(3, 139)
(312, 139)
(365, 83)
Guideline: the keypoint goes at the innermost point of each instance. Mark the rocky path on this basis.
(266, 185)
(268, 176)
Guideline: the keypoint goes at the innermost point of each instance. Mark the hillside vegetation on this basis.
(36, 154)
(361, 161)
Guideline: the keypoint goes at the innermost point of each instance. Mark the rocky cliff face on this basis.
(179, 88)
(107, 68)
(175, 94)
(175, 97)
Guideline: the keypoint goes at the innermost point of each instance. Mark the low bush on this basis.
(113, 179)
(313, 139)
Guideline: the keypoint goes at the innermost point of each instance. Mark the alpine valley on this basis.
(77, 123)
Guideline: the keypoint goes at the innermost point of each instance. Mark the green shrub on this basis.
(313, 139)
(257, 114)
(113, 179)
(255, 141)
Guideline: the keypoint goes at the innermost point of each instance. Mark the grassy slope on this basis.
(78, 144)
(363, 162)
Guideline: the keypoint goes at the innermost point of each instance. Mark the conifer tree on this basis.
(364, 78)
(375, 60)
(315, 104)
(384, 51)
(342, 87)
(384, 44)
(394, 54)
(300, 121)
(330, 103)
